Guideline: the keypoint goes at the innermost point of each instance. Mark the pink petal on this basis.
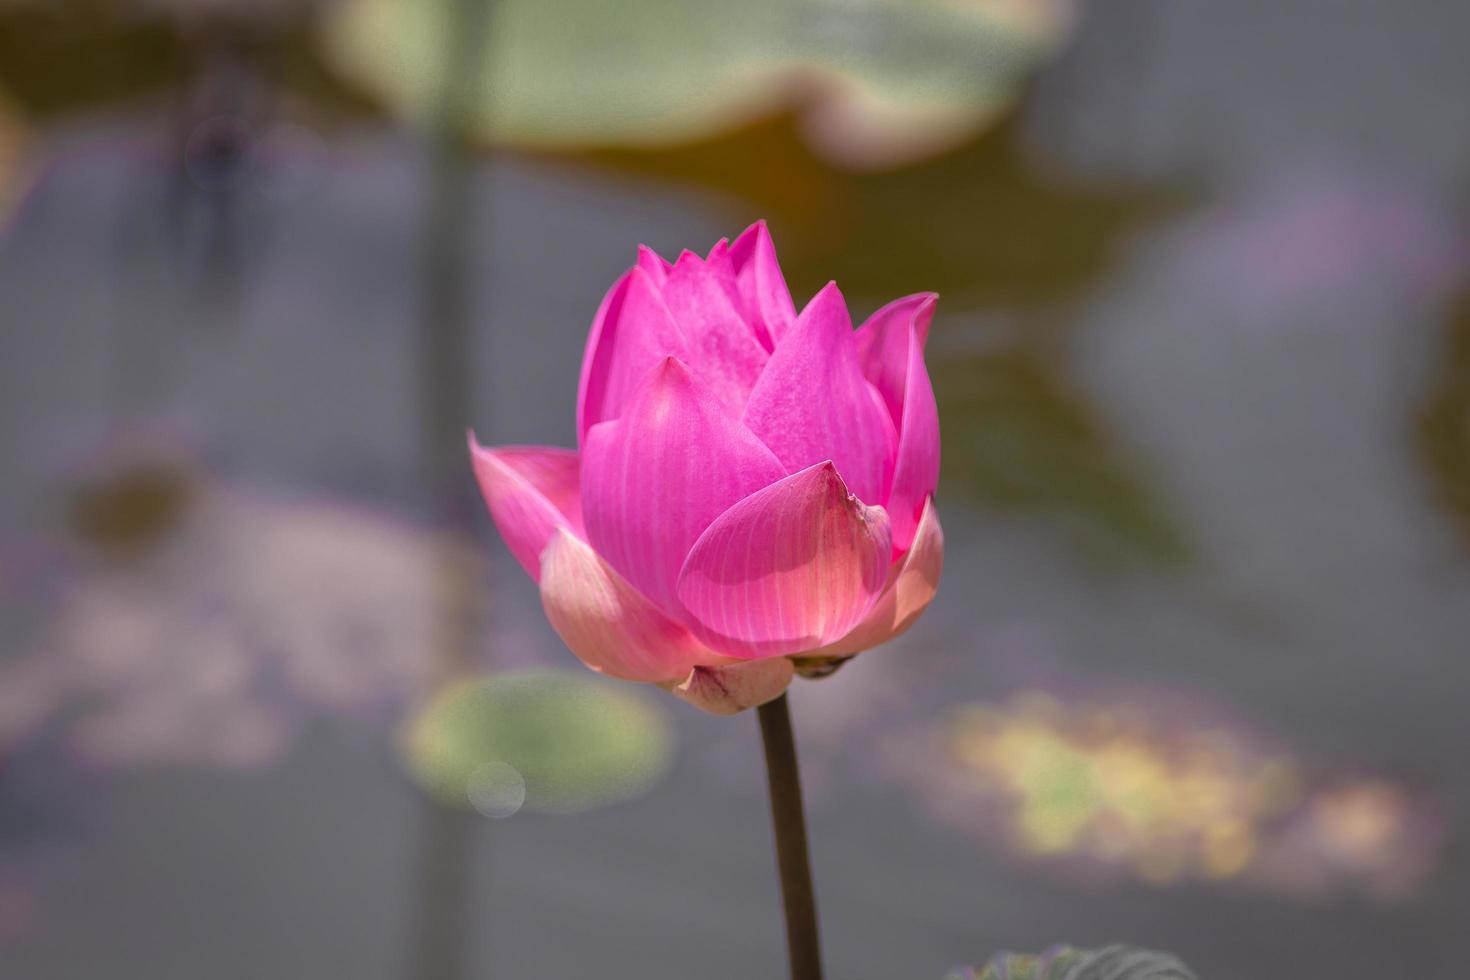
(916, 471)
(891, 344)
(654, 264)
(606, 623)
(732, 689)
(761, 281)
(632, 332)
(787, 569)
(813, 404)
(720, 346)
(531, 491)
(654, 480)
(883, 345)
(722, 267)
(915, 580)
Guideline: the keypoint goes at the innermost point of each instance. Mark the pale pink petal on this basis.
(883, 345)
(632, 332)
(914, 581)
(654, 480)
(812, 402)
(720, 346)
(788, 569)
(531, 491)
(607, 623)
(735, 688)
(761, 281)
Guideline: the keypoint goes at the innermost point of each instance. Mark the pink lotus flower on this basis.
(753, 484)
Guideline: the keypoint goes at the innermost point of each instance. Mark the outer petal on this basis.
(654, 480)
(632, 332)
(813, 404)
(891, 344)
(532, 491)
(761, 282)
(719, 345)
(731, 689)
(916, 471)
(606, 623)
(788, 569)
(914, 582)
(883, 345)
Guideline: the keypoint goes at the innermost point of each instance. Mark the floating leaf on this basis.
(996, 231)
(567, 741)
(1168, 788)
(1065, 963)
(876, 83)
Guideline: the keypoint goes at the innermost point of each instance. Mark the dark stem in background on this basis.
(450, 220)
(788, 820)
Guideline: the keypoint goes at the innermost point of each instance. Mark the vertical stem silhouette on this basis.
(449, 835)
(788, 821)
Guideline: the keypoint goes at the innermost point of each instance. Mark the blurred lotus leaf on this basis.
(555, 741)
(876, 83)
(15, 154)
(997, 229)
(1065, 963)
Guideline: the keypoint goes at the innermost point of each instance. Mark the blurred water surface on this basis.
(1201, 359)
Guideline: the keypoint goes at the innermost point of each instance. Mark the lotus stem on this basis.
(788, 820)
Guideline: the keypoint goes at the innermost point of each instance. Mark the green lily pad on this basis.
(1066, 963)
(553, 741)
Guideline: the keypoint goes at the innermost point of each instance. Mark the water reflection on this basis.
(197, 622)
(1311, 244)
(46, 809)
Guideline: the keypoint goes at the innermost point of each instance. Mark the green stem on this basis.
(789, 822)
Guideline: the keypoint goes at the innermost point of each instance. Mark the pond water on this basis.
(1197, 678)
